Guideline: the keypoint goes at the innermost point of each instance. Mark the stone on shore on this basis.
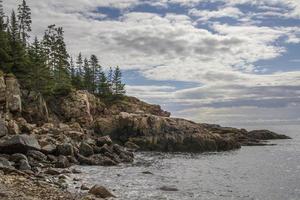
(19, 144)
(100, 191)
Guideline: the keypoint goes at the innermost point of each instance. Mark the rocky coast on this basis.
(41, 138)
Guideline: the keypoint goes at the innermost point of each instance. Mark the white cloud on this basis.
(205, 15)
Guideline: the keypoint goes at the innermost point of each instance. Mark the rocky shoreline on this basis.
(40, 139)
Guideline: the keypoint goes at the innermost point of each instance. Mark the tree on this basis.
(4, 43)
(24, 19)
(103, 85)
(87, 76)
(57, 58)
(38, 74)
(17, 51)
(117, 85)
(95, 73)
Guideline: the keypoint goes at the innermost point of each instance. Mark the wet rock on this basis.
(84, 187)
(85, 160)
(103, 160)
(62, 162)
(85, 149)
(37, 155)
(169, 189)
(100, 191)
(105, 149)
(19, 144)
(65, 149)
(125, 157)
(73, 160)
(147, 172)
(103, 140)
(76, 171)
(24, 165)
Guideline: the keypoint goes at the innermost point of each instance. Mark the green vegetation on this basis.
(44, 66)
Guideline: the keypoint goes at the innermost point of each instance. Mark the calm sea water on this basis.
(251, 173)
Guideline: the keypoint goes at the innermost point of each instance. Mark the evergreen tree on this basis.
(4, 44)
(38, 74)
(110, 79)
(117, 85)
(103, 85)
(24, 19)
(57, 58)
(95, 70)
(87, 76)
(17, 51)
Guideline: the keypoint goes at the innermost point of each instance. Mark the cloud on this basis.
(219, 58)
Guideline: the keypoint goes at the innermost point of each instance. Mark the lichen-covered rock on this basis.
(3, 128)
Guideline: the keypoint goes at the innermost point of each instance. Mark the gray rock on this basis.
(4, 162)
(24, 165)
(3, 128)
(19, 144)
(37, 155)
(85, 149)
(62, 162)
(17, 157)
(85, 161)
(103, 140)
(49, 149)
(65, 150)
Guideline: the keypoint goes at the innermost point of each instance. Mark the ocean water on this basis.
(250, 173)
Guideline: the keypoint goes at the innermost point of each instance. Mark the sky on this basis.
(214, 61)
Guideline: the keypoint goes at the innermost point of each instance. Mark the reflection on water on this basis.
(256, 173)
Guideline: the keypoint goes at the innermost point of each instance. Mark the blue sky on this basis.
(216, 61)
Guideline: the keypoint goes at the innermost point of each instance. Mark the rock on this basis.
(85, 149)
(131, 146)
(85, 160)
(76, 108)
(265, 135)
(62, 162)
(52, 171)
(19, 144)
(13, 95)
(37, 155)
(24, 126)
(17, 157)
(103, 140)
(169, 189)
(4, 162)
(13, 127)
(84, 187)
(147, 172)
(103, 160)
(24, 165)
(49, 149)
(73, 160)
(100, 191)
(65, 149)
(3, 128)
(76, 171)
(52, 158)
(105, 148)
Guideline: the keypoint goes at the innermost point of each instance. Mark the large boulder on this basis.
(65, 149)
(19, 144)
(85, 149)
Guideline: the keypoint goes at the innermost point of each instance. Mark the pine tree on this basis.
(110, 79)
(24, 19)
(57, 58)
(117, 85)
(103, 85)
(38, 74)
(95, 70)
(4, 44)
(87, 76)
(17, 51)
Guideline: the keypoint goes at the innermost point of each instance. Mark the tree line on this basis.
(45, 66)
